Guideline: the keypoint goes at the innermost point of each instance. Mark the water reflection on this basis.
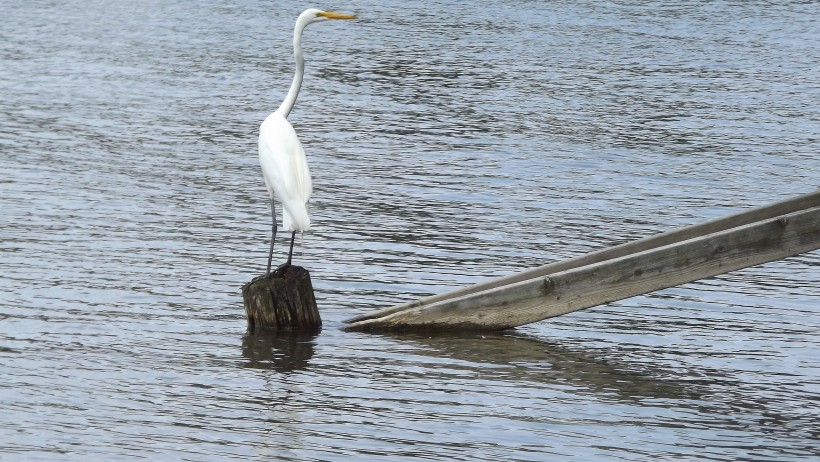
(707, 396)
(281, 352)
(531, 359)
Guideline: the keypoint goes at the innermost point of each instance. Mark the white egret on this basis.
(284, 165)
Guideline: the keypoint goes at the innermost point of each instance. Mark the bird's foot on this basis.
(280, 270)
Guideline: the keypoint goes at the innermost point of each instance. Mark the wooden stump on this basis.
(282, 302)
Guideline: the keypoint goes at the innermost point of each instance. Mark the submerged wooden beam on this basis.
(282, 301)
(746, 239)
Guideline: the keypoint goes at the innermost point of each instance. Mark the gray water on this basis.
(449, 144)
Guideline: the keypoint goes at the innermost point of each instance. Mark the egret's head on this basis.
(313, 15)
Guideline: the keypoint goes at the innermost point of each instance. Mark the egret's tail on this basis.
(295, 220)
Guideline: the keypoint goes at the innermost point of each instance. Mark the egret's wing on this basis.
(285, 168)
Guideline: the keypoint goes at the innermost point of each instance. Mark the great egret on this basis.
(284, 165)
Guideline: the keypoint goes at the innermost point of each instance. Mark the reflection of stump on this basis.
(283, 301)
(283, 352)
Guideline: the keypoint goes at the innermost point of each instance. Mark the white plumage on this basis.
(281, 155)
(286, 171)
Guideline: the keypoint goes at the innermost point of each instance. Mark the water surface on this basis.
(448, 145)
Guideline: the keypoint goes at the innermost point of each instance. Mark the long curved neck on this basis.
(290, 99)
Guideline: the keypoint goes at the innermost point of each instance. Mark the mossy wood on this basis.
(282, 301)
(738, 241)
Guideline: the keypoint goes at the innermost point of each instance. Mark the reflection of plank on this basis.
(526, 359)
(719, 246)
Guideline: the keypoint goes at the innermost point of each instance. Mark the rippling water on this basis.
(449, 144)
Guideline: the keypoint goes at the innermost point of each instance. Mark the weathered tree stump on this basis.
(282, 302)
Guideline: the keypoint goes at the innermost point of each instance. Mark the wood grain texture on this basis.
(678, 257)
(282, 301)
(753, 215)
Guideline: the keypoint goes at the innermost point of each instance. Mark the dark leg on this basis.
(290, 253)
(287, 264)
(273, 237)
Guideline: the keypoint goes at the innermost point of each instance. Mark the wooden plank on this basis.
(606, 281)
(732, 221)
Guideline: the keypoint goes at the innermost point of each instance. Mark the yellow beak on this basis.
(331, 15)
